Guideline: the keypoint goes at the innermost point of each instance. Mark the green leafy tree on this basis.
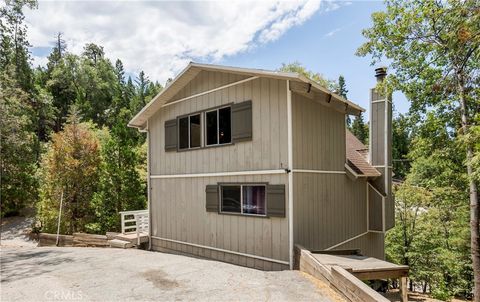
(96, 85)
(70, 165)
(434, 50)
(410, 205)
(401, 139)
(439, 252)
(314, 76)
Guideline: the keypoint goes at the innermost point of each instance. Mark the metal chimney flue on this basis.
(380, 73)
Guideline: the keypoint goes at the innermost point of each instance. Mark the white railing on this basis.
(135, 222)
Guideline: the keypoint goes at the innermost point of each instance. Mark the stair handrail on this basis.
(138, 216)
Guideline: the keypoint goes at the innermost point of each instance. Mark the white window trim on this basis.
(218, 127)
(241, 185)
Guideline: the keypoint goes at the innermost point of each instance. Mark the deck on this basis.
(362, 267)
(344, 271)
(133, 238)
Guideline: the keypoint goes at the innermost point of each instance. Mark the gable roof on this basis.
(193, 69)
(357, 154)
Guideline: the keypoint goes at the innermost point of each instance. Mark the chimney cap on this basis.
(380, 73)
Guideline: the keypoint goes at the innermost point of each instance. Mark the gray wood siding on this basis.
(161, 246)
(178, 213)
(318, 135)
(267, 150)
(375, 210)
(389, 212)
(327, 208)
(371, 244)
(204, 80)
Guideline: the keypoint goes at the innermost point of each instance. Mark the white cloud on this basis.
(332, 32)
(39, 61)
(162, 37)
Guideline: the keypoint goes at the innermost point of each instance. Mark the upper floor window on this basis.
(218, 126)
(212, 127)
(190, 131)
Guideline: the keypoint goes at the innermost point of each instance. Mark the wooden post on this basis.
(59, 219)
(122, 217)
(404, 289)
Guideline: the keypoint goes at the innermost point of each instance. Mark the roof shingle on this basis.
(357, 154)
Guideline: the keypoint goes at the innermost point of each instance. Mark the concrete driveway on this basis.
(86, 274)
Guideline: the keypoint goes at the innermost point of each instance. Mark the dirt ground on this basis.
(15, 232)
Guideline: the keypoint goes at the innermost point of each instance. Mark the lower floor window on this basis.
(243, 199)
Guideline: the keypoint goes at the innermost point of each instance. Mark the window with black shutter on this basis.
(252, 199)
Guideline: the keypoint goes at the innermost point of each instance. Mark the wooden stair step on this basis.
(120, 243)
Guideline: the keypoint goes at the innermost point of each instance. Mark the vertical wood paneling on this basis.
(328, 208)
(371, 244)
(331, 210)
(317, 136)
(267, 150)
(253, 235)
(178, 205)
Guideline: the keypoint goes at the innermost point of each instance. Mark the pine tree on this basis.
(342, 87)
(13, 35)
(142, 84)
(62, 84)
(121, 188)
(18, 143)
(359, 129)
(58, 51)
(342, 91)
(17, 147)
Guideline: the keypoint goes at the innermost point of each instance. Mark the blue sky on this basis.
(162, 37)
(326, 43)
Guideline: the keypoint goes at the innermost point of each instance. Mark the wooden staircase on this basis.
(135, 228)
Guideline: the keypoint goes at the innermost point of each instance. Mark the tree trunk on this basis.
(474, 209)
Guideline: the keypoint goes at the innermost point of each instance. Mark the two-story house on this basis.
(245, 163)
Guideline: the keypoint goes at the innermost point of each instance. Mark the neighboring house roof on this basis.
(357, 154)
(192, 70)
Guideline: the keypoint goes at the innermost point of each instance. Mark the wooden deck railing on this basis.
(135, 222)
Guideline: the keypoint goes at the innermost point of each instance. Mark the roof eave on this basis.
(139, 120)
(356, 108)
